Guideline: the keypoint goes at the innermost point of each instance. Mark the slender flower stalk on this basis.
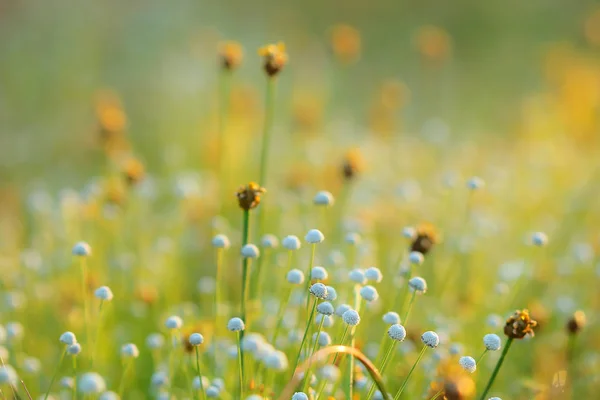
(311, 262)
(310, 318)
(496, 369)
(267, 128)
(86, 314)
(280, 315)
(410, 373)
(74, 377)
(97, 337)
(127, 367)
(438, 394)
(245, 262)
(240, 363)
(202, 390)
(310, 366)
(60, 361)
(482, 355)
(410, 304)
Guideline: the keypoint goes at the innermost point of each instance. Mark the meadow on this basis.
(305, 203)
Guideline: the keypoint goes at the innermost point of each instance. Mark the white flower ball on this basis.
(323, 339)
(159, 379)
(130, 350)
(91, 383)
(323, 198)
(314, 236)
(373, 274)
(68, 338)
(475, 183)
(250, 251)
(369, 293)
(325, 308)
(174, 322)
(236, 325)
(416, 258)
(468, 364)
(397, 332)
(318, 290)
(409, 232)
(213, 392)
(357, 275)
(418, 284)
(104, 293)
(196, 339)
(196, 382)
(318, 273)
(331, 293)
(277, 360)
(391, 318)
(351, 317)
(539, 239)
(291, 242)
(155, 341)
(8, 375)
(341, 309)
(269, 241)
(221, 241)
(299, 396)
(430, 339)
(352, 238)
(81, 249)
(74, 349)
(492, 342)
(295, 277)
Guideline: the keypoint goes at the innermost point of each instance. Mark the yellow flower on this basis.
(345, 43)
(231, 53)
(249, 196)
(519, 325)
(353, 164)
(275, 58)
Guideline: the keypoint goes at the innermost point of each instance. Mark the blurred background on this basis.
(467, 68)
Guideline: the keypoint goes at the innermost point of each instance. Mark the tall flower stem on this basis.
(224, 90)
(267, 128)
(496, 369)
(60, 361)
(97, 337)
(481, 356)
(410, 304)
(240, 363)
(308, 322)
(198, 372)
(384, 363)
(311, 262)
(74, 377)
(310, 366)
(280, 314)
(128, 366)
(410, 373)
(219, 264)
(342, 340)
(245, 264)
(438, 394)
(86, 314)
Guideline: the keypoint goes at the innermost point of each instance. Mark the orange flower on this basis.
(249, 196)
(353, 164)
(345, 43)
(231, 54)
(519, 325)
(275, 58)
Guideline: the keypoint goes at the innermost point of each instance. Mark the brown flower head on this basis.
(459, 387)
(345, 43)
(353, 164)
(249, 196)
(576, 322)
(231, 54)
(133, 170)
(425, 239)
(519, 325)
(275, 58)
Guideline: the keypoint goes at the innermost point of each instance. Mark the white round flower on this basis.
(159, 379)
(351, 317)
(110, 395)
(219, 383)
(8, 375)
(416, 258)
(409, 232)
(330, 373)
(295, 277)
(14, 330)
(221, 241)
(291, 242)
(539, 239)
(318, 290)
(269, 241)
(468, 364)
(430, 339)
(492, 342)
(369, 293)
(174, 322)
(397, 332)
(74, 349)
(104, 293)
(341, 309)
(196, 339)
(318, 273)
(254, 397)
(494, 398)
(391, 318)
(67, 382)
(374, 274)
(299, 396)
(213, 392)
(357, 275)
(155, 341)
(81, 249)
(325, 308)
(236, 325)
(323, 198)
(68, 338)
(91, 383)
(352, 238)
(314, 236)
(327, 320)
(418, 284)
(31, 365)
(324, 339)
(475, 183)
(196, 382)
(331, 293)
(250, 251)
(277, 360)
(130, 350)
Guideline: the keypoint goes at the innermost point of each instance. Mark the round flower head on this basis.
(8, 375)
(418, 284)
(299, 396)
(341, 309)
(130, 350)
(74, 349)
(269, 241)
(174, 322)
(374, 274)
(221, 241)
(327, 320)
(318, 290)
(31, 365)
(275, 58)
(314, 236)
(331, 293)
(492, 342)
(416, 258)
(291, 242)
(67, 382)
(539, 239)
(391, 318)
(196, 382)
(81, 249)
(475, 183)
(277, 360)
(91, 383)
(323, 198)
(250, 251)
(231, 54)
(456, 348)
(325, 308)
(324, 339)
(155, 341)
(249, 196)
(369, 293)
(196, 339)
(318, 273)
(430, 339)
(159, 378)
(409, 232)
(352, 238)
(295, 277)
(14, 330)
(397, 332)
(357, 275)
(213, 392)
(468, 364)
(219, 383)
(236, 325)
(519, 325)
(330, 373)
(110, 395)
(351, 317)
(68, 338)
(104, 293)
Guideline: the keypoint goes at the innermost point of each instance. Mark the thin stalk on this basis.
(342, 340)
(86, 317)
(97, 337)
(198, 372)
(245, 262)
(311, 262)
(74, 377)
(320, 389)
(308, 373)
(496, 369)
(384, 363)
(280, 313)
(128, 365)
(412, 300)
(438, 394)
(224, 85)
(410, 373)
(240, 364)
(481, 356)
(267, 128)
(62, 357)
(310, 317)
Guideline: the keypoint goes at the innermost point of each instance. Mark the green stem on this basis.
(309, 371)
(198, 372)
(410, 373)
(308, 322)
(412, 300)
(124, 377)
(384, 363)
(320, 389)
(245, 260)
(74, 377)
(496, 369)
(240, 364)
(481, 356)
(311, 262)
(62, 357)
(438, 394)
(342, 340)
(280, 313)
(86, 317)
(97, 337)
(267, 128)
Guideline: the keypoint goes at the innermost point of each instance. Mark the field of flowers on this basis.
(363, 210)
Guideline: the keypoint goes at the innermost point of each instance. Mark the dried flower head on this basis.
(275, 58)
(249, 196)
(519, 325)
(231, 54)
(426, 237)
(353, 164)
(576, 322)
(345, 43)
